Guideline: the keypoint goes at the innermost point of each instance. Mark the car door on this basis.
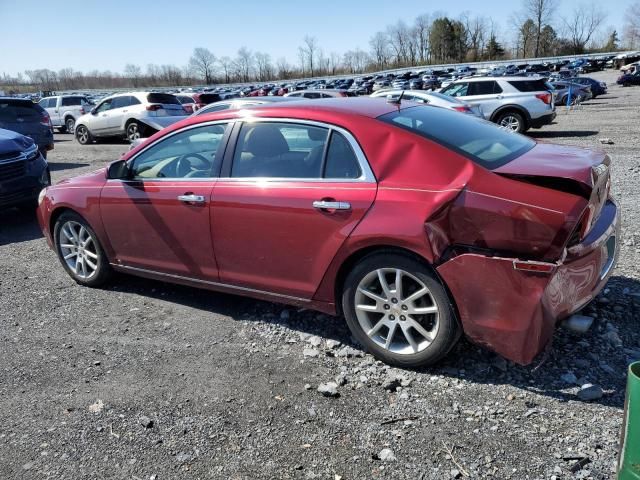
(118, 110)
(289, 195)
(98, 125)
(158, 219)
(486, 95)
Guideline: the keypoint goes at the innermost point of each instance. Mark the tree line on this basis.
(536, 30)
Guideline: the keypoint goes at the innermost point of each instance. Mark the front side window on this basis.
(482, 142)
(279, 150)
(193, 153)
(104, 106)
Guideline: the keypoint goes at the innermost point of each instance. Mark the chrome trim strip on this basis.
(213, 284)
(23, 155)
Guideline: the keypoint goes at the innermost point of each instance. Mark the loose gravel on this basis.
(145, 380)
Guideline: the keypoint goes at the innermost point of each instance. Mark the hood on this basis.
(557, 162)
(11, 141)
(95, 178)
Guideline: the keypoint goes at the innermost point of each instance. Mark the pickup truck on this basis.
(64, 110)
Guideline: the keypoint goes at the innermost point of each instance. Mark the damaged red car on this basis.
(417, 224)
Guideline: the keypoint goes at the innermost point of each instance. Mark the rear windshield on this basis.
(538, 85)
(165, 98)
(482, 142)
(12, 110)
(209, 97)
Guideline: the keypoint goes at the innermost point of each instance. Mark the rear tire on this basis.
(83, 135)
(400, 326)
(134, 131)
(513, 121)
(85, 260)
(70, 124)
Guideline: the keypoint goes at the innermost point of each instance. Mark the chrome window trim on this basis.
(213, 284)
(130, 161)
(367, 175)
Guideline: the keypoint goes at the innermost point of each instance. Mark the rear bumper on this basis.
(543, 120)
(515, 313)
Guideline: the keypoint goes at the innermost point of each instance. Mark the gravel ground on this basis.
(145, 380)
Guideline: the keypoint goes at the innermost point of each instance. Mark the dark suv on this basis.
(23, 170)
(28, 118)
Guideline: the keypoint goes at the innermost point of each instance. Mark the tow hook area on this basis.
(578, 323)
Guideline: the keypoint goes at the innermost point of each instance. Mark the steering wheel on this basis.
(185, 166)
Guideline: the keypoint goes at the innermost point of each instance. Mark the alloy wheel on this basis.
(70, 124)
(510, 122)
(133, 132)
(397, 311)
(78, 249)
(83, 134)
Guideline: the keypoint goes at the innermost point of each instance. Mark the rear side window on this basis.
(482, 142)
(312, 95)
(209, 98)
(484, 88)
(69, 101)
(14, 111)
(165, 98)
(457, 89)
(529, 85)
(341, 161)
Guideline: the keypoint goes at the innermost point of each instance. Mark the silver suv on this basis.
(132, 115)
(515, 103)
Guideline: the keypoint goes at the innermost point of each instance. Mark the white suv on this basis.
(515, 103)
(132, 115)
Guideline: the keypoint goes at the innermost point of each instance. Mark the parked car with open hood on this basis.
(417, 224)
(129, 115)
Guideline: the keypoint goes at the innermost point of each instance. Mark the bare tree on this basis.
(226, 64)
(244, 64)
(422, 27)
(379, 44)
(283, 68)
(631, 31)
(541, 12)
(476, 28)
(399, 39)
(585, 20)
(203, 62)
(310, 48)
(263, 66)
(133, 72)
(333, 63)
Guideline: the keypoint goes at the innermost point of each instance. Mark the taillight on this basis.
(82, 112)
(154, 107)
(46, 120)
(463, 109)
(545, 97)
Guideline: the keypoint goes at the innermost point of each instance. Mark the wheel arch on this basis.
(358, 255)
(511, 107)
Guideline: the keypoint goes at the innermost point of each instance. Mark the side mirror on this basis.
(118, 170)
(93, 111)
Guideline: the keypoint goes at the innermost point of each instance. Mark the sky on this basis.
(107, 34)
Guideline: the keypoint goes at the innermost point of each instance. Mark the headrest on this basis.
(265, 140)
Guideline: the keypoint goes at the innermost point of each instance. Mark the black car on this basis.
(28, 118)
(23, 170)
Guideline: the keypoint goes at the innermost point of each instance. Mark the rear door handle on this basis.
(191, 198)
(329, 205)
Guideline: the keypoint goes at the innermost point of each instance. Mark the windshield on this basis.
(483, 142)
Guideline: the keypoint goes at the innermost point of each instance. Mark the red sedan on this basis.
(416, 223)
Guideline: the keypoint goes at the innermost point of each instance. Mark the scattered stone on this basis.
(613, 338)
(589, 392)
(349, 352)
(310, 352)
(96, 363)
(331, 344)
(329, 389)
(606, 141)
(307, 386)
(500, 363)
(96, 407)
(569, 377)
(386, 455)
(146, 422)
(392, 383)
(315, 341)
(455, 473)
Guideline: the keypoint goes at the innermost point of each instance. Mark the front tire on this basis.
(83, 135)
(513, 121)
(79, 250)
(399, 311)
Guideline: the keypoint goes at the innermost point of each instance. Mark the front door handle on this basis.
(330, 205)
(190, 198)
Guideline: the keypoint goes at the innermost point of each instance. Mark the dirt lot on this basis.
(145, 380)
